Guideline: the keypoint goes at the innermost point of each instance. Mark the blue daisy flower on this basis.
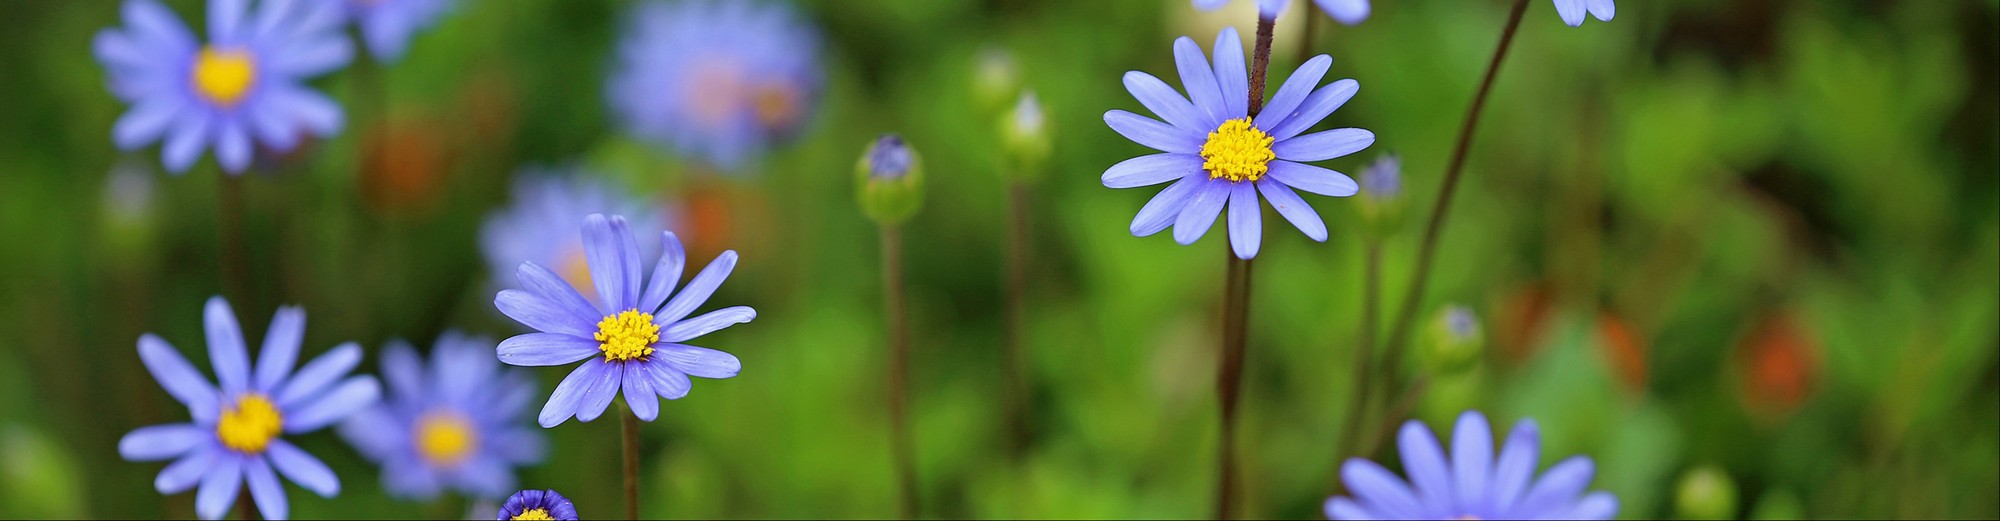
(1572, 10)
(1215, 153)
(540, 225)
(235, 436)
(632, 336)
(1471, 484)
(537, 504)
(241, 88)
(1349, 12)
(452, 424)
(388, 25)
(717, 80)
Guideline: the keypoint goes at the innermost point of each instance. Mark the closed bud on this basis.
(889, 180)
(1382, 201)
(1024, 138)
(1705, 492)
(1452, 342)
(996, 79)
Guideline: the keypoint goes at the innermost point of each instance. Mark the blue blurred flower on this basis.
(889, 157)
(1470, 484)
(636, 328)
(540, 225)
(234, 437)
(244, 84)
(455, 423)
(717, 80)
(387, 25)
(1383, 179)
(1217, 154)
(1572, 10)
(1349, 12)
(537, 504)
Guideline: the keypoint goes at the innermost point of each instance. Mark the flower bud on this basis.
(1382, 201)
(1452, 342)
(1705, 492)
(889, 180)
(996, 79)
(1024, 138)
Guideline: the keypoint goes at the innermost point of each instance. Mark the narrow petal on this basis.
(1313, 179)
(1571, 12)
(350, 396)
(1150, 170)
(178, 377)
(224, 17)
(160, 442)
(155, 22)
(1293, 208)
(185, 473)
(1201, 211)
(1316, 108)
(1424, 461)
(1160, 211)
(1557, 487)
(403, 372)
(669, 382)
(146, 122)
(219, 487)
(1349, 12)
(265, 489)
(557, 293)
(710, 322)
(1342, 508)
(1378, 490)
(1246, 222)
(698, 289)
(303, 468)
(604, 251)
(1471, 460)
(1154, 134)
(225, 347)
(489, 477)
(1209, 5)
(232, 146)
(317, 113)
(1604, 10)
(598, 395)
(546, 349)
(1596, 505)
(185, 141)
(639, 391)
(1321, 146)
(318, 374)
(411, 479)
(314, 57)
(1199, 80)
(666, 273)
(562, 403)
(281, 348)
(543, 314)
(1516, 466)
(1231, 75)
(1163, 100)
(699, 361)
(1293, 92)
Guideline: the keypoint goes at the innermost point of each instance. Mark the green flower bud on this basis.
(1024, 138)
(1382, 202)
(1705, 492)
(996, 78)
(1452, 342)
(889, 181)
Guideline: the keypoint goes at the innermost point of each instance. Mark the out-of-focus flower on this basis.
(1452, 342)
(1471, 483)
(537, 504)
(540, 225)
(1025, 139)
(1348, 12)
(1779, 358)
(404, 163)
(1705, 492)
(635, 328)
(996, 78)
(1217, 153)
(454, 423)
(1522, 321)
(243, 87)
(234, 438)
(1625, 350)
(1572, 10)
(889, 180)
(388, 25)
(717, 80)
(1382, 200)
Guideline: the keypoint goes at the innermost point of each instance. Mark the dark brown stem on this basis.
(1236, 312)
(631, 442)
(903, 445)
(1014, 356)
(235, 266)
(1260, 61)
(1357, 403)
(245, 506)
(1426, 251)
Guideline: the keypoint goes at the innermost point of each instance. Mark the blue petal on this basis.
(155, 23)
(1201, 210)
(666, 273)
(1313, 179)
(1516, 466)
(375, 432)
(488, 477)
(543, 314)
(403, 371)
(1472, 460)
(219, 487)
(639, 391)
(1150, 170)
(1209, 5)
(1596, 505)
(1288, 204)
(185, 473)
(1321, 146)
(607, 245)
(185, 140)
(265, 489)
(1424, 460)
(1348, 12)
(180, 378)
(352, 395)
(1342, 508)
(159, 442)
(411, 479)
(318, 374)
(1231, 75)
(1571, 12)
(1316, 107)
(699, 361)
(281, 348)
(224, 19)
(1246, 223)
(225, 347)
(671, 383)
(1554, 491)
(146, 121)
(314, 57)
(1199, 80)
(1153, 134)
(562, 403)
(1379, 491)
(1160, 211)
(545, 349)
(1162, 100)
(314, 111)
(1293, 92)
(707, 323)
(598, 395)
(1604, 10)
(232, 146)
(698, 289)
(557, 294)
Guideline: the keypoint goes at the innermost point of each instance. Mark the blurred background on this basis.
(1740, 252)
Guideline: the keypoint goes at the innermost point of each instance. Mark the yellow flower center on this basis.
(534, 513)
(249, 426)
(776, 106)
(627, 336)
(1237, 151)
(444, 438)
(224, 75)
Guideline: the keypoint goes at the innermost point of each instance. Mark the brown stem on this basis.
(1357, 414)
(245, 506)
(631, 442)
(235, 266)
(1013, 362)
(1260, 61)
(903, 445)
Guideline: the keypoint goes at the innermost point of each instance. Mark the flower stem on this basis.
(1357, 414)
(1427, 250)
(235, 266)
(245, 507)
(1236, 312)
(631, 443)
(902, 445)
(1014, 377)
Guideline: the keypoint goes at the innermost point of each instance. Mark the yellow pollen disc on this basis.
(224, 75)
(627, 336)
(534, 513)
(249, 426)
(444, 439)
(1237, 151)
(776, 106)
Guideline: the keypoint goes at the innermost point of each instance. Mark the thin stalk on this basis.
(1357, 414)
(235, 266)
(903, 445)
(1014, 355)
(1236, 313)
(631, 443)
(246, 508)
(1427, 250)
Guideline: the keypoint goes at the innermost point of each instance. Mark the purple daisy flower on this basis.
(1348, 12)
(387, 25)
(244, 85)
(717, 80)
(452, 424)
(234, 438)
(1216, 153)
(1572, 10)
(635, 328)
(540, 225)
(1470, 484)
(537, 504)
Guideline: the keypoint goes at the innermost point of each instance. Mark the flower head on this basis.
(1470, 484)
(1348, 12)
(454, 423)
(889, 180)
(889, 157)
(537, 504)
(1572, 10)
(1383, 180)
(540, 225)
(243, 84)
(387, 25)
(718, 80)
(631, 336)
(236, 435)
(1215, 152)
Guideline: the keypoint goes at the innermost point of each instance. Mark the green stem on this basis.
(1013, 357)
